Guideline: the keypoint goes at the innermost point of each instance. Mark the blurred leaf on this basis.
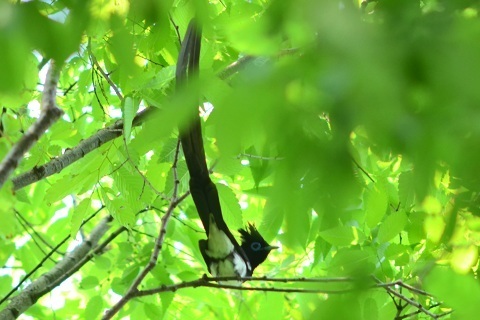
(94, 307)
(370, 309)
(353, 262)
(392, 226)
(457, 291)
(342, 236)
(89, 282)
(153, 311)
(7, 250)
(5, 283)
(272, 306)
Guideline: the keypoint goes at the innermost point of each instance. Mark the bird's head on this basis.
(254, 246)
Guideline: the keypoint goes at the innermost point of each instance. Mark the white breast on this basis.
(219, 245)
(228, 262)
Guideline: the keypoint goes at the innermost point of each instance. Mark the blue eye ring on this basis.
(255, 246)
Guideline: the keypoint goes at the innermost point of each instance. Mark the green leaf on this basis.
(376, 202)
(157, 174)
(406, 189)
(118, 209)
(321, 249)
(7, 227)
(342, 236)
(89, 282)
(103, 262)
(94, 307)
(182, 176)
(168, 150)
(162, 78)
(79, 213)
(260, 168)
(415, 227)
(130, 108)
(82, 175)
(392, 226)
(350, 261)
(271, 306)
(7, 249)
(399, 253)
(370, 309)
(229, 166)
(272, 220)
(5, 283)
(298, 226)
(133, 189)
(153, 311)
(458, 291)
(230, 207)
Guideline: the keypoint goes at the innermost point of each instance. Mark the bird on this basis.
(222, 253)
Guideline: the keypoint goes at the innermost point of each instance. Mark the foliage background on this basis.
(351, 140)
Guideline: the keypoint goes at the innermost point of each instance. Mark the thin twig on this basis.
(145, 180)
(104, 74)
(26, 227)
(411, 302)
(400, 283)
(253, 156)
(45, 242)
(285, 280)
(203, 283)
(176, 28)
(361, 169)
(38, 266)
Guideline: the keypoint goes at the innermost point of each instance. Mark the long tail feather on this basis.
(203, 190)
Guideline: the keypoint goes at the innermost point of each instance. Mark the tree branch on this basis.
(103, 73)
(50, 113)
(36, 289)
(47, 256)
(211, 282)
(71, 155)
(98, 250)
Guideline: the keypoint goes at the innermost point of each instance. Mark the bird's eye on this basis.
(256, 246)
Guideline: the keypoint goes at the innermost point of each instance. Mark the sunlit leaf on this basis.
(376, 203)
(342, 236)
(230, 207)
(79, 214)
(130, 108)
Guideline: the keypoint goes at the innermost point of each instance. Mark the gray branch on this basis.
(36, 289)
(71, 155)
